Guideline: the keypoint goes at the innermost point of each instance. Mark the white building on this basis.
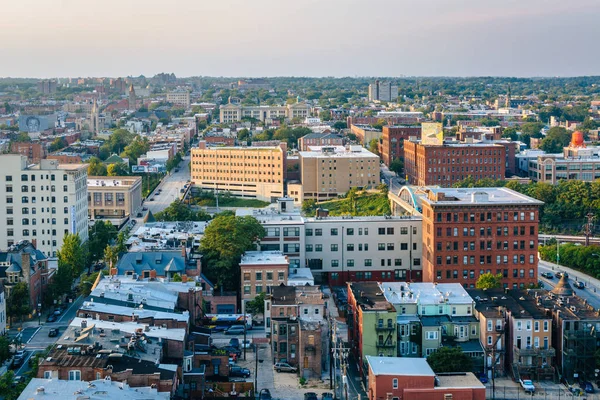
(180, 97)
(56, 389)
(42, 202)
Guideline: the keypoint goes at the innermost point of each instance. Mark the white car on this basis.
(527, 385)
(246, 344)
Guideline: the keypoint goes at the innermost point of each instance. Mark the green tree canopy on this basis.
(117, 169)
(556, 138)
(135, 149)
(449, 359)
(374, 146)
(179, 211)
(17, 303)
(489, 281)
(96, 167)
(57, 144)
(73, 254)
(100, 234)
(397, 166)
(256, 305)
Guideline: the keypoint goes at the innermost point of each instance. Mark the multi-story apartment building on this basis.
(42, 202)
(446, 164)
(328, 172)
(383, 91)
(260, 270)
(365, 133)
(392, 141)
(319, 139)
(372, 323)
(340, 249)
(180, 97)
(469, 232)
(46, 86)
(294, 316)
(254, 172)
(2, 310)
(236, 112)
(22, 262)
(114, 198)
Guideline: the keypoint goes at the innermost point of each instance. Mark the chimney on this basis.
(184, 278)
(183, 252)
(153, 274)
(113, 271)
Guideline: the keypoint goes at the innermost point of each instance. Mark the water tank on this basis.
(577, 139)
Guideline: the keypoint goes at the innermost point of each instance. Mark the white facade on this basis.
(181, 97)
(2, 310)
(42, 203)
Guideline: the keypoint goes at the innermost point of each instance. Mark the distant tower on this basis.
(507, 104)
(94, 119)
(132, 98)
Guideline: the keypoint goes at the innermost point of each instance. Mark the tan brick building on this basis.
(113, 198)
(444, 165)
(259, 271)
(330, 171)
(254, 172)
(469, 232)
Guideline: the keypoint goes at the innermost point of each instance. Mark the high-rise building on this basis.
(46, 86)
(42, 202)
(383, 91)
(253, 172)
(469, 232)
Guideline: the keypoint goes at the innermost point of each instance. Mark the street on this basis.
(591, 293)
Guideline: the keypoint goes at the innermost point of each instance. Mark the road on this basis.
(170, 190)
(591, 293)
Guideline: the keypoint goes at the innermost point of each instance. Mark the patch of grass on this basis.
(231, 202)
(365, 205)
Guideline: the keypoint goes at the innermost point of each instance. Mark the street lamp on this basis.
(39, 310)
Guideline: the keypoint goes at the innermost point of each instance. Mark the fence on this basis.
(517, 393)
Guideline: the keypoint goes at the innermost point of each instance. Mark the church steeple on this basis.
(507, 104)
(94, 118)
(132, 98)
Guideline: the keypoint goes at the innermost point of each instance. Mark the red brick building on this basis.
(469, 232)
(392, 141)
(395, 378)
(444, 165)
(33, 151)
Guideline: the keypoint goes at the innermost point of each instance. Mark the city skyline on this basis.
(332, 38)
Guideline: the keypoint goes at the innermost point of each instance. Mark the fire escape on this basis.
(386, 332)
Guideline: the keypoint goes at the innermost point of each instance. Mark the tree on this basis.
(179, 211)
(397, 166)
(100, 234)
(4, 349)
(489, 281)
(176, 278)
(309, 206)
(257, 304)
(117, 169)
(96, 167)
(449, 359)
(111, 256)
(22, 137)
(339, 125)
(57, 144)
(225, 239)
(73, 254)
(17, 303)
(374, 146)
(135, 149)
(173, 162)
(86, 283)
(556, 138)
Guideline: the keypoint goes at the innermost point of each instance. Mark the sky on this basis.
(254, 38)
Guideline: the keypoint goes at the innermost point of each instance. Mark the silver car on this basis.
(284, 367)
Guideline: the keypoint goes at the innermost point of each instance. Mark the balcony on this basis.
(535, 352)
(379, 327)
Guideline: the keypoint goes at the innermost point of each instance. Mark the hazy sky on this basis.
(50, 38)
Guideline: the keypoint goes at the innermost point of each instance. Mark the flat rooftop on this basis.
(369, 296)
(399, 366)
(337, 152)
(113, 181)
(465, 380)
(263, 258)
(479, 196)
(96, 307)
(425, 293)
(177, 334)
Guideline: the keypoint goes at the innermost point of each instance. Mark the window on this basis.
(318, 232)
(334, 232)
(335, 263)
(350, 247)
(381, 231)
(75, 375)
(368, 262)
(334, 247)
(295, 232)
(381, 246)
(318, 247)
(47, 374)
(308, 232)
(350, 263)
(280, 276)
(545, 326)
(309, 247)
(390, 246)
(259, 276)
(350, 231)
(395, 383)
(432, 335)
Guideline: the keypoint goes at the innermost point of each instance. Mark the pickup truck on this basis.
(527, 385)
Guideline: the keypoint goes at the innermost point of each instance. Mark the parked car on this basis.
(547, 275)
(51, 318)
(233, 350)
(560, 274)
(246, 344)
(284, 367)
(53, 332)
(144, 208)
(265, 394)
(151, 198)
(527, 385)
(18, 361)
(310, 396)
(18, 379)
(139, 215)
(239, 372)
(234, 342)
(235, 330)
(327, 396)
(176, 169)
(579, 285)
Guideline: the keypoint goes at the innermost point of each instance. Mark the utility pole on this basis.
(330, 353)
(588, 228)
